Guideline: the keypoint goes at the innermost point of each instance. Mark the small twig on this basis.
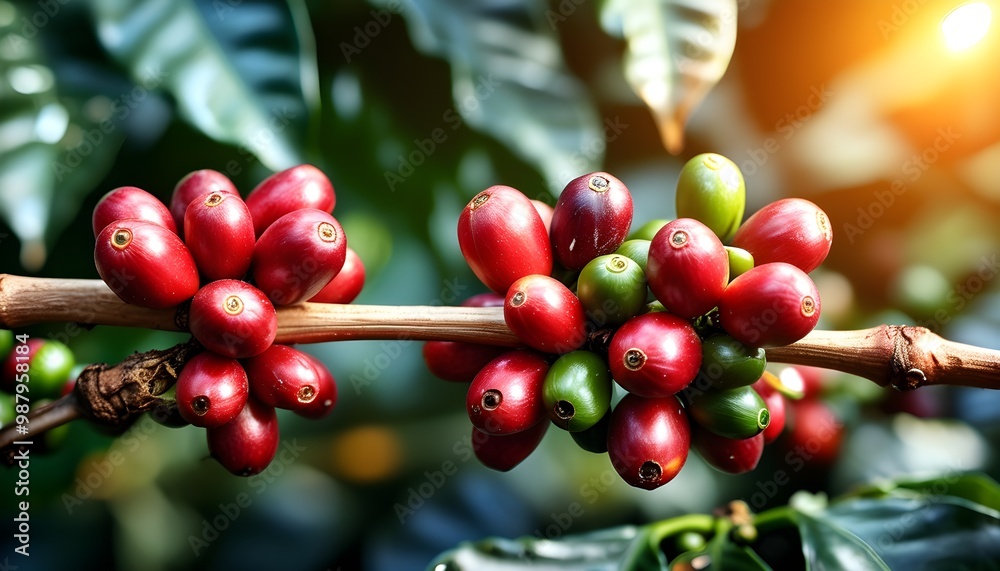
(41, 420)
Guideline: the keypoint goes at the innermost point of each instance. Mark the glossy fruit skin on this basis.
(219, 233)
(791, 230)
(771, 305)
(775, 403)
(729, 455)
(688, 268)
(711, 189)
(740, 262)
(506, 396)
(246, 444)
(545, 314)
(637, 251)
(655, 355)
(591, 218)
(346, 285)
(326, 395)
(195, 184)
(296, 188)
(734, 413)
(595, 438)
(487, 299)
(503, 238)
(298, 255)
(233, 318)
(50, 367)
(726, 363)
(211, 390)
(504, 452)
(131, 202)
(612, 289)
(648, 230)
(577, 390)
(544, 212)
(145, 264)
(648, 440)
(282, 377)
(457, 361)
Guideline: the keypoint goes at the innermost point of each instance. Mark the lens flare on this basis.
(966, 25)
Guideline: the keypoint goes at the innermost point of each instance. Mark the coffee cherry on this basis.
(193, 185)
(49, 368)
(544, 212)
(771, 305)
(246, 444)
(740, 262)
(131, 202)
(711, 189)
(233, 318)
(734, 413)
(506, 396)
(297, 188)
(648, 440)
(791, 230)
(457, 361)
(6, 342)
(282, 377)
(816, 429)
(219, 233)
(346, 285)
(635, 250)
(298, 255)
(502, 238)
(655, 355)
(688, 268)
(729, 455)
(326, 393)
(504, 452)
(591, 218)
(545, 314)
(648, 230)
(487, 299)
(726, 363)
(611, 288)
(10, 369)
(775, 403)
(577, 390)
(595, 438)
(145, 264)
(211, 390)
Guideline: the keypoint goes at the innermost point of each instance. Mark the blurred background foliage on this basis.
(413, 106)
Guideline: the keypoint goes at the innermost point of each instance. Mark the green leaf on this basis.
(974, 487)
(509, 80)
(677, 51)
(826, 545)
(242, 72)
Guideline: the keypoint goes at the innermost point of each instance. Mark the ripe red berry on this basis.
(193, 185)
(303, 186)
(219, 233)
(488, 299)
(298, 255)
(346, 285)
(688, 268)
(504, 452)
(591, 218)
(211, 390)
(791, 230)
(648, 440)
(815, 433)
(506, 396)
(457, 361)
(775, 406)
(145, 264)
(729, 455)
(233, 318)
(544, 212)
(326, 396)
(283, 377)
(503, 238)
(545, 314)
(131, 202)
(655, 355)
(770, 305)
(246, 444)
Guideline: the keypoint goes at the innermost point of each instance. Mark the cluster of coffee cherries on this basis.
(677, 314)
(231, 261)
(33, 372)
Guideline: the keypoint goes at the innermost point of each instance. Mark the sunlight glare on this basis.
(966, 25)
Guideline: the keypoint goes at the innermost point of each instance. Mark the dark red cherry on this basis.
(729, 455)
(770, 305)
(246, 444)
(303, 186)
(282, 377)
(298, 255)
(346, 285)
(791, 230)
(775, 402)
(458, 361)
(504, 452)
(655, 354)
(591, 218)
(506, 395)
(211, 390)
(687, 268)
(131, 202)
(326, 396)
(545, 314)
(648, 440)
(815, 433)
(233, 318)
(193, 185)
(219, 233)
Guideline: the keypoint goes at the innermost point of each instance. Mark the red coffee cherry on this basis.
(815, 433)
(246, 444)
(457, 361)
(506, 396)
(130, 202)
(775, 405)
(487, 299)
(298, 255)
(544, 212)
(655, 355)
(303, 186)
(193, 185)
(219, 232)
(346, 285)
(502, 238)
(791, 230)
(326, 396)
(503, 452)
(591, 218)
(145, 264)
(688, 268)
(728, 455)
(771, 305)
(648, 440)
(545, 314)
(283, 377)
(233, 318)
(211, 390)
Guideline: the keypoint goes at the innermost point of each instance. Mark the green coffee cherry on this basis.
(711, 189)
(6, 343)
(734, 413)
(690, 541)
(648, 230)
(7, 413)
(726, 363)
(635, 250)
(740, 261)
(595, 438)
(577, 390)
(612, 288)
(50, 368)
